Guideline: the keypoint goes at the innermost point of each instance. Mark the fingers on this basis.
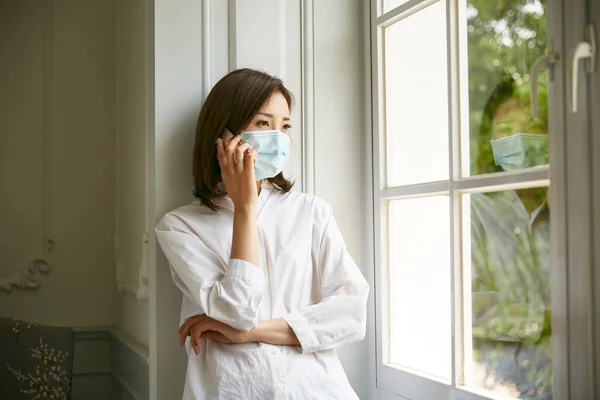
(251, 158)
(185, 329)
(240, 154)
(232, 144)
(210, 335)
(230, 151)
(197, 331)
(221, 156)
(249, 165)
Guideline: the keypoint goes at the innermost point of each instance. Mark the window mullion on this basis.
(454, 173)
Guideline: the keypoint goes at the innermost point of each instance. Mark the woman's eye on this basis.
(287, 127)
(263, 123)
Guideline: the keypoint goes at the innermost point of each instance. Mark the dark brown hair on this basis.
(231, 104)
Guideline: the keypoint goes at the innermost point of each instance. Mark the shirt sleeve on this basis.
(230, 294)
(340, 317)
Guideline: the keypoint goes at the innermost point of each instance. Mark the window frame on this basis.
(572, 307)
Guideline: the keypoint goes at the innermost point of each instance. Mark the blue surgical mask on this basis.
(273, 148)
(521, 150)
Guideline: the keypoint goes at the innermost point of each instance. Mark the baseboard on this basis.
(109, 364)
(129, 364)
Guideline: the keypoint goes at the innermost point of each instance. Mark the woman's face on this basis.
(514, 117)
(274, 115)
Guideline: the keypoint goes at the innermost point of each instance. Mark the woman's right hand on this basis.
(239, 178)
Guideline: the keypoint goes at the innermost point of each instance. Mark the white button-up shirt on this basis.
(305, 276)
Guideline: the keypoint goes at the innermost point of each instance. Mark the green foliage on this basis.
(505, 37)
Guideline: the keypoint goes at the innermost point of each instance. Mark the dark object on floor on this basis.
(36, 361)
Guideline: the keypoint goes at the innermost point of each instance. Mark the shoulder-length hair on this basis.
(231, 104)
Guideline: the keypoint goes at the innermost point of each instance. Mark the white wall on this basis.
(315, 47)
(177, 99)
(132, 215)
(57, 157)
(339, 130)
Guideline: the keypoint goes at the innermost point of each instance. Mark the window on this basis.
(467, 252)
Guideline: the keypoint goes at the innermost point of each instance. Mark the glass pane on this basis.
(509, 348)
(416, 98)
(504, 40)
(420, 286)
(389, 5)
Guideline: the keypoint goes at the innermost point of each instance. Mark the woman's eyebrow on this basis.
(271, 116)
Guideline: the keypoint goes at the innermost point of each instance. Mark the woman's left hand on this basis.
(203, 327)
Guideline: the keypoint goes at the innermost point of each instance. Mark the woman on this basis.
(269, 288)
(510, 251)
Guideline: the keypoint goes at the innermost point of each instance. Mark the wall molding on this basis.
(129, 364)
(232, 39)
(139, 289)
(307, 94)
(28, 275)
(134, 283)
(108, 363)
(206, 49)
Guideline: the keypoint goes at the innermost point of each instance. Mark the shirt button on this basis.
(274, 352)
(517, 230)
(280, 386)
(264, 293)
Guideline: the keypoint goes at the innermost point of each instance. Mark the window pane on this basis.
(416, 98)
(509, 348)
(420, 285)
(389, 5)
(504, 40)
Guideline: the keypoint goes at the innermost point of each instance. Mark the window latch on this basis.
(583, 50)
(544, 62)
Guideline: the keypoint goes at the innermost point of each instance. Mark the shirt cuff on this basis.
(240, 269)
(304, 332)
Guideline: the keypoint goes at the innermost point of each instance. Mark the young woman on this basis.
(269, 289)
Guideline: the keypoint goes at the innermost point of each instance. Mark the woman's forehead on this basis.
(276, 105)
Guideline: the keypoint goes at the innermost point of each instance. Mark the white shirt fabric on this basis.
(305, 276)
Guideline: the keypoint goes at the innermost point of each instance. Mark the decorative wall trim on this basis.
(47, 198)
(109, 364)
(139, 290)
(137, 286)
(129, 364)
(281, 34)
(206, 49)
(232, 40)
(307, 94)
(28, 275)
(92, 378)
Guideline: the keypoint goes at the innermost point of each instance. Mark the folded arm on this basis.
(340, 317)
(227, 293)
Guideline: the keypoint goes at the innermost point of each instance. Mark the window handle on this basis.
(544, 62)
(582, 51)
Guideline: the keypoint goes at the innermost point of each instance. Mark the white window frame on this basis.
(571, 198)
